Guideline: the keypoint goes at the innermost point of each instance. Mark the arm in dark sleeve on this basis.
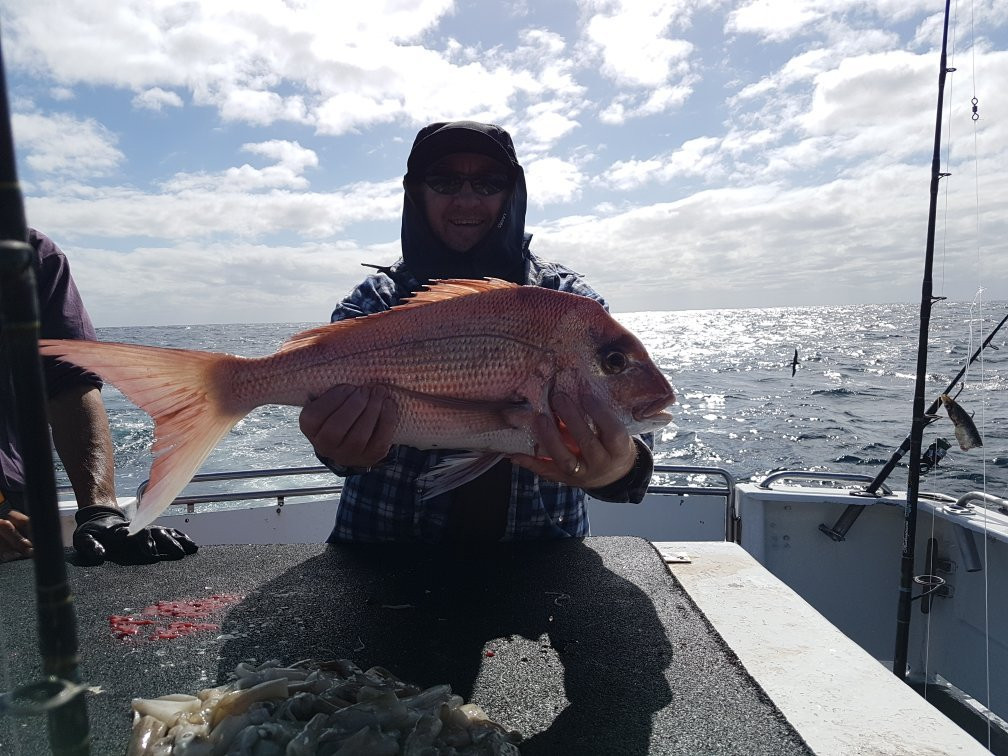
(77, 416)
(375, 293)
(632, 486)
(341, 470)
(61, 315)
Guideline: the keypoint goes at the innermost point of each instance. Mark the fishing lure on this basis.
(966, 432)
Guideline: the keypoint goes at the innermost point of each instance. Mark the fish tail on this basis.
(183, 391)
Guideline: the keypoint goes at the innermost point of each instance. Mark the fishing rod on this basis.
(919, 418)
(57, 622)
(905, 446)
(838, 532)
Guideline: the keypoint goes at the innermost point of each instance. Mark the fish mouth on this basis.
(654, 410)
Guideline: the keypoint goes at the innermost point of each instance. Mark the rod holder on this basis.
(844, 522)
(966, 540)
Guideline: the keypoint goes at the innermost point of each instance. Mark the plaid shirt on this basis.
(384, 504)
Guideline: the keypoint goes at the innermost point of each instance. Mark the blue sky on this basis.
(236, 160)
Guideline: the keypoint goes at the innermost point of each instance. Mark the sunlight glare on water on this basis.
(848, 407)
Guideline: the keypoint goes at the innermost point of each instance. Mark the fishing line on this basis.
(977, 306)
(975, 102)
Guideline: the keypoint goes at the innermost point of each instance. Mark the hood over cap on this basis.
(501, 253)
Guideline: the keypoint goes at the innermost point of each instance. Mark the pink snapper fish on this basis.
(470, 363)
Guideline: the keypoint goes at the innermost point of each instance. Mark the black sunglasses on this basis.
(484, 184)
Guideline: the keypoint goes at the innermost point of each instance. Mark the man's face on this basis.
(461, 219)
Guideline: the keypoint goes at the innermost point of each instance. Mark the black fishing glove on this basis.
(103, 533)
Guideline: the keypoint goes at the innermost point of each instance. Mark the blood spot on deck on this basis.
(167, 620)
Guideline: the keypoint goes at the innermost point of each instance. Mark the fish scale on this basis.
(469, 364)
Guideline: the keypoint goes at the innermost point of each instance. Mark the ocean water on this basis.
(847, 409)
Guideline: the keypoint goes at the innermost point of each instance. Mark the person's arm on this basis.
(80, 432)
(80, 428)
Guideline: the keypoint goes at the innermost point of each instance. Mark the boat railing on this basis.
(823, 478)
(725, 488)
(993, 502)
(280, 494)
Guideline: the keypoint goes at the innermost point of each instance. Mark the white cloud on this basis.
(696, 157)
(843, 107)
(804, 137)
(346, 110)
(240, 57)
(338, 70)
(632, 39)
(630, 105)
(552, 180)
(291, 161)
(253, 106)
(546, 123)
(289, 154)
(61, 143)
(634, 52)
(774, 21)
(544, 41)
(217, 282)
(798, 70)
(157, 99)
(215, 206)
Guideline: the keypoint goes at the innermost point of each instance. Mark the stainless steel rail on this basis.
(733, 529)
(821, 477)
(280, 494)
(998, 502)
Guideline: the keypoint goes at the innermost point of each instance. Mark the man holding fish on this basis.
(470, 392)
(464, 218)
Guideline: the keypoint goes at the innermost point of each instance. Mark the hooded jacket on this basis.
(502, 252)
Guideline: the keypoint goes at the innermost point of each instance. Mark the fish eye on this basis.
(614, 361)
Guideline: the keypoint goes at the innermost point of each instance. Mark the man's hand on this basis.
(579, 454)
(15, 536)
(351, 425)
(103, 533)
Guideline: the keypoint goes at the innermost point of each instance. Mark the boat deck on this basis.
(591, 647)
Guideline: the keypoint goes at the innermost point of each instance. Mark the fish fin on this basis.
(178, 389)
(438, 291)
(449, 288)
(320, 334)
(455, 471)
